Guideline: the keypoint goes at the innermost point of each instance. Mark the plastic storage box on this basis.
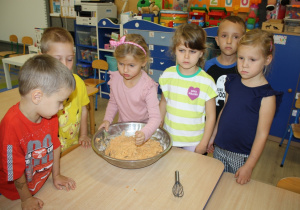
(86, 55)
(94, 56)
(112, 63)
(292, 25)
(84, 38)
(94, 41)
(84, 70)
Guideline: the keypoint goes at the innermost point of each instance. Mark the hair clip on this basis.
(271, 46)
(122, 41)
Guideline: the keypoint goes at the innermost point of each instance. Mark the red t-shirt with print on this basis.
(26, 147)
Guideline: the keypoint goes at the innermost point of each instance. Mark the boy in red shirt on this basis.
(29, 145)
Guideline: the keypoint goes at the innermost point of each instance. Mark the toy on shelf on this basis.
(276, 9)
(150, 12)
(198, 16)
(252, 18)
(142, 4)
(181, 5)
(216, 15)
(173, 18)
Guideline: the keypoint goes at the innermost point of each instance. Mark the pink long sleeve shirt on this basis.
(136, 104)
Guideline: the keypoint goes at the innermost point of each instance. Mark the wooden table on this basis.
(254, 195)
(11, 97)
(104, 186)
(17, 61)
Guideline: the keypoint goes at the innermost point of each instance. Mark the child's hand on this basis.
(85, 141)
(139, 138)
(200, 148)
(105, 124)
(32, 203)
(67, 182)
(210, 147)
(243, 175)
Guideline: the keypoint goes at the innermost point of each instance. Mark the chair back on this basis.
(26, 40)
(14, 39)
(100, 64)
(290, 183)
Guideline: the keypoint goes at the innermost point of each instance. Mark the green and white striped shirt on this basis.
(186, 96)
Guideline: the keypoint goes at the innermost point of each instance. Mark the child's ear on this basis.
(36, 96)
(217, 40)
(268, 60)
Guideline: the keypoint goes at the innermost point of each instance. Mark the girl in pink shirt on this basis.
(132, 92)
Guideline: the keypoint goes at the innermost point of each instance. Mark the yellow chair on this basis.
(26, 40)
(294, 130)
(290, 183)
(98, 65)
(13, 40)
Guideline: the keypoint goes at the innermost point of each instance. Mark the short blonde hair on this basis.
(234, 19)
(129, 49)
(191, 36)
(54, 35)
(46, 73)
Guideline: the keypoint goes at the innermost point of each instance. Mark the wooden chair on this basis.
(26, 40)
(98, 65)
(69, 150)
(13, 40)
(294, 130)
(290, 183)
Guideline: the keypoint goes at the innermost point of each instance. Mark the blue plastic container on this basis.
(112, 63)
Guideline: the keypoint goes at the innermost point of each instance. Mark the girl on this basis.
(188, 92)
(133, 93)
(244, 123)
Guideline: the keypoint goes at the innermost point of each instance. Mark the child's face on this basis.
(64, 52)
(251, 61)
(228, 37)
(129, 67)
(50, 104)
(187, 58)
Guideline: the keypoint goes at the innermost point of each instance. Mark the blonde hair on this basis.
(54, 35)
(234, 19)
(191, 36)
(129, 49)
(262, 39)
(46, 73)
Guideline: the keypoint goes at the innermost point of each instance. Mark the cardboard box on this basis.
(273, 25)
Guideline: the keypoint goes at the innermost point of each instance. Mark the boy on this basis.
(29, 145)
(59, 43)
(230, 30)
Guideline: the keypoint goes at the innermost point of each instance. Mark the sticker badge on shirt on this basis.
(193, 93)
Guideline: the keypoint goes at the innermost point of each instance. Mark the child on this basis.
(230, 31)
(244, 123)
(133, 93)
(59, 43)
(188, 92)
(29, 145)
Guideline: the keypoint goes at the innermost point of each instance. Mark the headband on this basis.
(122, 41)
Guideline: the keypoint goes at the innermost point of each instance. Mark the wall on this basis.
(20, 17)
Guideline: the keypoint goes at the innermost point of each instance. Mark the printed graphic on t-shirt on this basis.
(193, 93)
(38, 160)
(221, 89)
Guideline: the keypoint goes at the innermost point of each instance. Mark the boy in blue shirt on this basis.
(231, 29)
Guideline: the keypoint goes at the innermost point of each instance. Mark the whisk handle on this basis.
(176, 176)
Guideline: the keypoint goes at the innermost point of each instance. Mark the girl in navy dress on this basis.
(244, 123)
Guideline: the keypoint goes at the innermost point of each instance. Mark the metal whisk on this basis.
(177, 188)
